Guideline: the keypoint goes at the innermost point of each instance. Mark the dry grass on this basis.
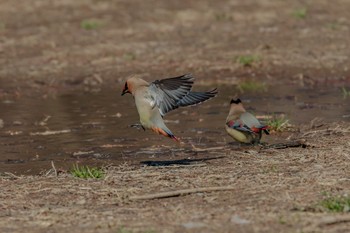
(273, 190)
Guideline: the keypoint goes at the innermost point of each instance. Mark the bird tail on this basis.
(264, 128)
(166, 132)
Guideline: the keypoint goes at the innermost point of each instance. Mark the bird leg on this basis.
(137, 126)
(263, 144)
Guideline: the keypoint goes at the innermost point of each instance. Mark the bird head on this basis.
(133, 83)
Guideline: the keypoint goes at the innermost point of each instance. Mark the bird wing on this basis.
(239, 125)
(249, 120)
(168, 92)
(196, 98)
(254, 124)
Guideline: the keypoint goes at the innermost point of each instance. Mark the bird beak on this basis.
(125, 91)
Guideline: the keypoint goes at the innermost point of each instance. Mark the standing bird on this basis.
(243, 126)
(153, 100)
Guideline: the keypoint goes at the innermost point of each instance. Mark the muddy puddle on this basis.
(92, 128)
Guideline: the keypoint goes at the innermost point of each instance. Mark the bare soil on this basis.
(46, 50)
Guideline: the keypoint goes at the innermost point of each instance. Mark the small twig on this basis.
(315, 132)
(333, 221)
(54, 168)
(286, 145)
(180, 192)
(11, 175)
(48, 172)
(40, 190)
(186, 165)
(196, 149)
(325, 132)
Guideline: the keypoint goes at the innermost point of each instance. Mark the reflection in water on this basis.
(93, 128)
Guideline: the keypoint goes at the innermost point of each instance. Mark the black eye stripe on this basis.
(126, 86)
(235, 101)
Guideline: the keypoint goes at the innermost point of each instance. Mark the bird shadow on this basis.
(178, 161)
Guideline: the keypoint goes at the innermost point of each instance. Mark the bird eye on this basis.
(237, 101)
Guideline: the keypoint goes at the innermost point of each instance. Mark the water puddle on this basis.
(92, 128)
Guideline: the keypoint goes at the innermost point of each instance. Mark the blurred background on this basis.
(57, 44)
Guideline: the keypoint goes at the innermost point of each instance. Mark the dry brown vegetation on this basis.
(270, 191)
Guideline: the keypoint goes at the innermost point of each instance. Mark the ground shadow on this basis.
(178, 161)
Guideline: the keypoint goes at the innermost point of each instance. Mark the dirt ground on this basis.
(271, 190)
(52, 47)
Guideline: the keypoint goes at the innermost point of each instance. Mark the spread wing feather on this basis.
(196, 98)
(172, 93)
(167, 92)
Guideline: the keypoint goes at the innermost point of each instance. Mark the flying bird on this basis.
(243, 126)
(153, 100)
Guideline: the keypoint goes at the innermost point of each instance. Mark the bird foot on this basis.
(137, 126)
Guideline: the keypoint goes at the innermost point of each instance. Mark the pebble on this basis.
(238, 220)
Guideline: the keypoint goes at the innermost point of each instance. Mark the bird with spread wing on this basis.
(153, 100)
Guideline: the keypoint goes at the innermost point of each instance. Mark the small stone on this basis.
(17, 123)
(8, 102)
(81, 202)
(238, 220)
